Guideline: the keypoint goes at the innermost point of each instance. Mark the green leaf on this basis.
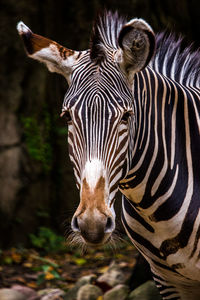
(40, 279)
(45, 268)
(55, 274)
(80, 261)
(8, 260)
(47, 240)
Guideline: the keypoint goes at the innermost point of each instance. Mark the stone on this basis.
(86, 280)
(113, 276)
(119, 292)
(51, 294)
(72, 293)
(11, 294)
(26, 291)
(89, 292)
(146, 291)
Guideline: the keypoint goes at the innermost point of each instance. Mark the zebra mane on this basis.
(105, 34)
(170, 59)
(175, 61)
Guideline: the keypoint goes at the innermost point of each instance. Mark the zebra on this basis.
(132, 109)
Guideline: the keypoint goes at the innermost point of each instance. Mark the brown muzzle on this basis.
(93, 218)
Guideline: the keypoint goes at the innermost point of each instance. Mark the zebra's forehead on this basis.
(98, 84)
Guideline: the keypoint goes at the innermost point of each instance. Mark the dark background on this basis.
(36, 180)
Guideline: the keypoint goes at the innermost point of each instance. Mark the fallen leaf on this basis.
(103, 269)
(47, 268)
(118, 255)
(49, 276)
(16, 257)
(21, 279)
(32, 284)
(99, 255)
(28, 265)
(18, 278)
(80, 261)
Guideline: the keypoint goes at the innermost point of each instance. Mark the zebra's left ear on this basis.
(56, 57)
(137, 42)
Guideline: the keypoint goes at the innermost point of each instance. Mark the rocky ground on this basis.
(71, 275)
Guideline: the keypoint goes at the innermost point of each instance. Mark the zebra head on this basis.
(99, 109)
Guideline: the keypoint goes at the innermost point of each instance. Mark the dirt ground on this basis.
(37, 270)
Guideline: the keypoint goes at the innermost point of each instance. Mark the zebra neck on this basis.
(161, 176)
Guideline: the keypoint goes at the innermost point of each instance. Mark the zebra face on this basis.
(99, 108)
(98, 118)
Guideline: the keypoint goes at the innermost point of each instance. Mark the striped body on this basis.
(162, 215)
(134, 124)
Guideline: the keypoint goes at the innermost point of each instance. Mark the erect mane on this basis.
(175, 62)
(105, 34)
(170, 60)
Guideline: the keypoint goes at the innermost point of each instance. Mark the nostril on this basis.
(74, 224)
(109, 225)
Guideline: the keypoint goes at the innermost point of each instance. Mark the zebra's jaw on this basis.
(94, 220)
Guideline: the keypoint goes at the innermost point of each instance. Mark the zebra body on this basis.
(161, 204)
(134, 125)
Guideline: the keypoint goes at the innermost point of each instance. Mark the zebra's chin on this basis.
(76, 239)
(97, 245)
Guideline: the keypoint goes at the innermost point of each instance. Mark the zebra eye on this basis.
(66, 115)
(126, 116)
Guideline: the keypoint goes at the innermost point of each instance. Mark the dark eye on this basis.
(66, 115)
(126, 116)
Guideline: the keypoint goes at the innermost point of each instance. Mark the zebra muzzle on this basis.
(94, 229)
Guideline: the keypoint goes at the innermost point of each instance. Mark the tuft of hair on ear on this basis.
(32, 42)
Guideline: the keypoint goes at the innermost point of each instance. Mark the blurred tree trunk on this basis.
(36, 179)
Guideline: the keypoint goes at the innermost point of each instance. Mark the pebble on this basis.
(113, 276)
(26, 291)
(72, 293)
(147, 291)
(51, 294)
(119, 292)
(11, 294)
(88, 288)
(89, 292)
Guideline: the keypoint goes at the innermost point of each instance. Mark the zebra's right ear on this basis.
(56, 57)
(137, 42)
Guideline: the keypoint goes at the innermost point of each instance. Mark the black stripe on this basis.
(133, 213)
(140, 240)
